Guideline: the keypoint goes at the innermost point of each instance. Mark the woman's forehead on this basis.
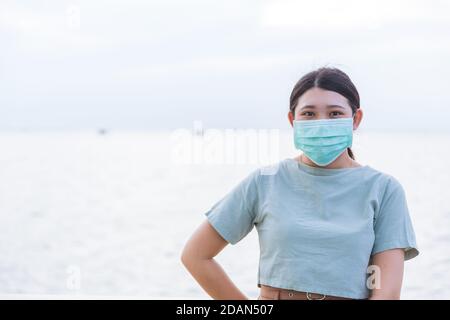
(316, 98)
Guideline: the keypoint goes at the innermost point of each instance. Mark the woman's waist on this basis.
(273, 293)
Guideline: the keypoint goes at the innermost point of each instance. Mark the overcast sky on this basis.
(161, 64)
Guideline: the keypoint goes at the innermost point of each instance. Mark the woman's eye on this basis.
(307, 113)
(336, 113)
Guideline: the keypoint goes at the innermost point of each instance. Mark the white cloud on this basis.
(330, 15)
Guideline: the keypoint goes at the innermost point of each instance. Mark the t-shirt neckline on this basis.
(323, 171)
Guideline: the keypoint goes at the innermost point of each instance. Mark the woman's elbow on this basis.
(186, 257)
(190, 258)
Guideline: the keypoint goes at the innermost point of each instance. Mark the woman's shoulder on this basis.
(272, 169)
(266, 173)
(382, 174)
(387, 181)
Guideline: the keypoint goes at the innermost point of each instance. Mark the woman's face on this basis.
(317, 103)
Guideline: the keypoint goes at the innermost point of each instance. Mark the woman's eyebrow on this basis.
(310, 106)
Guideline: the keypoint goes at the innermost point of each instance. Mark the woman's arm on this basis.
(198, 258)
(390, 264)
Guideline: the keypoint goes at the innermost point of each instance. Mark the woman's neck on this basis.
(343, 161)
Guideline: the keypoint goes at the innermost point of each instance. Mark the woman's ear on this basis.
(291, 118)
(358, 118)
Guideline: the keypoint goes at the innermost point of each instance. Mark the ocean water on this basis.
(84, 214)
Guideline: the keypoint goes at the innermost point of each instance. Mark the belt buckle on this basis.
(308, 296)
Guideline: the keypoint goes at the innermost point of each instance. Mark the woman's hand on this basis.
(198, 258)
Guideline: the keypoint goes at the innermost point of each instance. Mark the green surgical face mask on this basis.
(323, 140)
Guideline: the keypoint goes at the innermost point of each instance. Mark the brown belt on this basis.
(271, 293)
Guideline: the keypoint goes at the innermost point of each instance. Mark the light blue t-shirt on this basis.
(317, 227)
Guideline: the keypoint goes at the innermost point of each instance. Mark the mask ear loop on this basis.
(353, 117)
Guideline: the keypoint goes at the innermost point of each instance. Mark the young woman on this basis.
(328, 227)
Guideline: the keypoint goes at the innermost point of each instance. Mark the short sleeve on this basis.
(392, 225)
(234, 215)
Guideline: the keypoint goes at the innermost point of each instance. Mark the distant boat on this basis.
(198, 128)
(199, 133)
(102, 131)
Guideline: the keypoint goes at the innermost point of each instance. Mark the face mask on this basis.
(323, 140)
